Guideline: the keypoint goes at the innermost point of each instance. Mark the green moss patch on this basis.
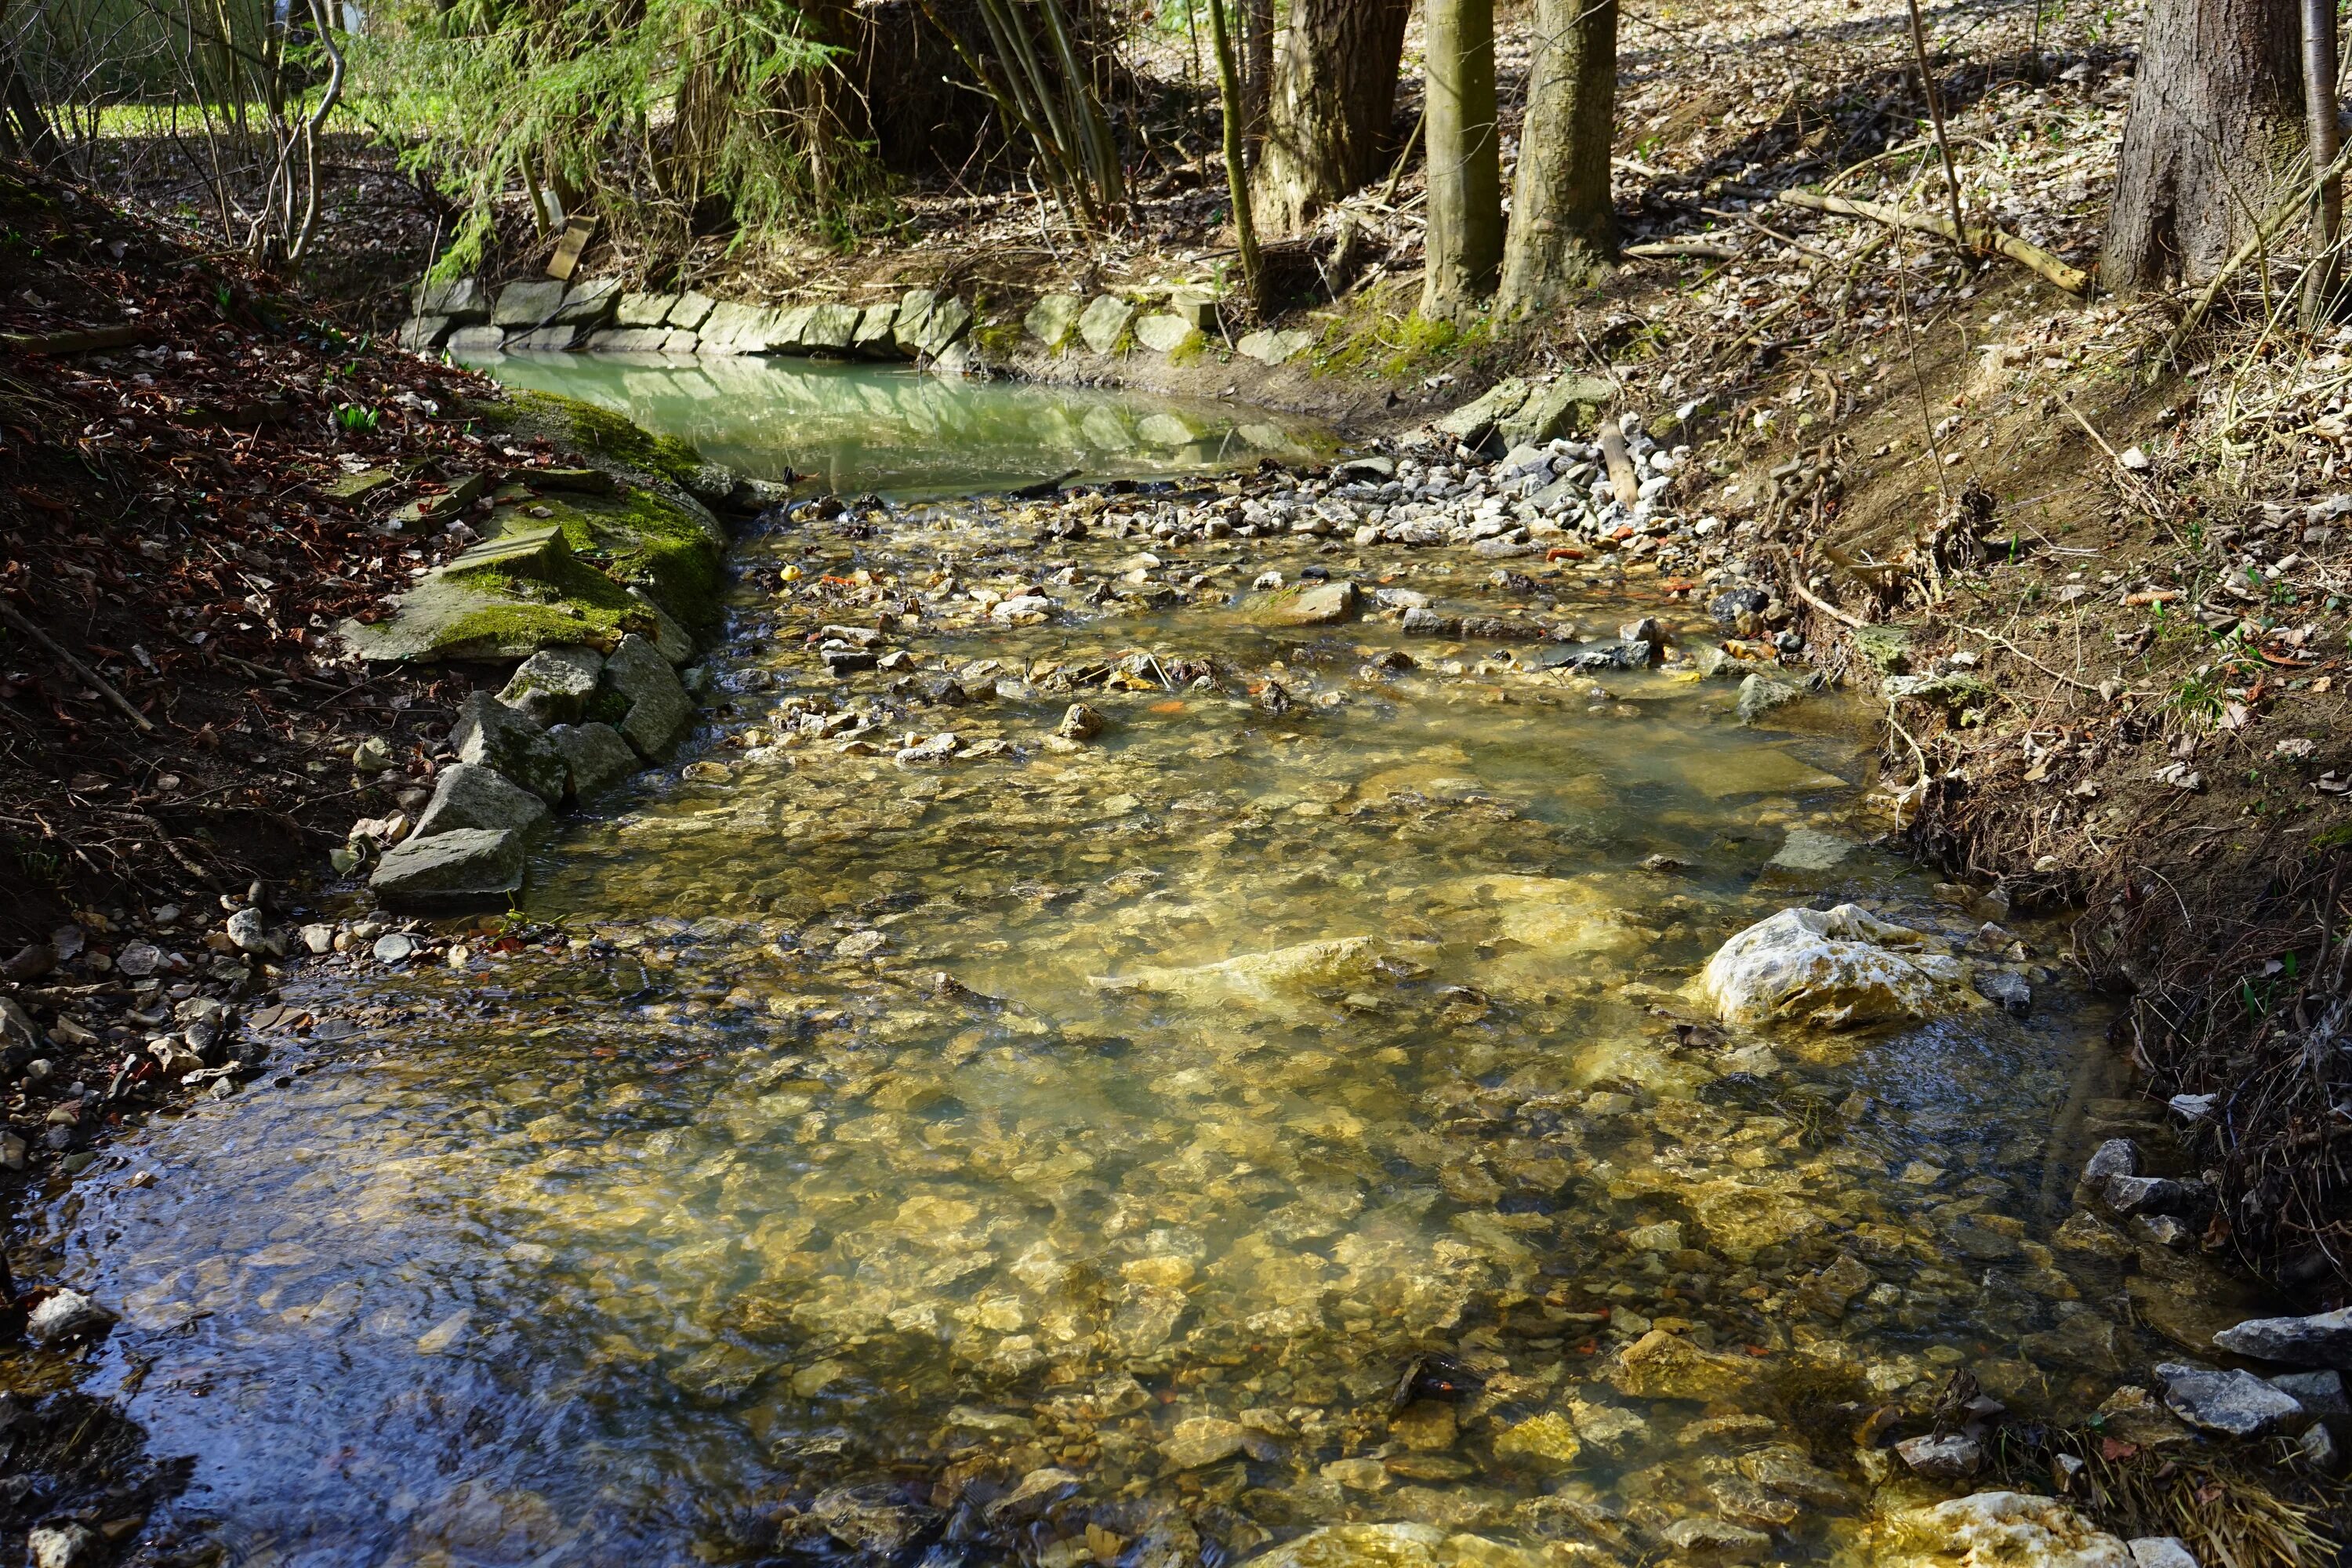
(633, 538)
(594, 432)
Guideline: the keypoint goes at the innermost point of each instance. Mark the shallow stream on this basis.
(1278, 1110)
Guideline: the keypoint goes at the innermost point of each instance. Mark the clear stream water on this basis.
(878, 1134)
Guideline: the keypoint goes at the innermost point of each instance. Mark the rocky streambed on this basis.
(1180, 1021)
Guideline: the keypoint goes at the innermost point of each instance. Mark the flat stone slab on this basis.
(465, 866)
(1105, 321)
(2322, 1339)
(2236, 1403)
(1165, 334)
(945, 326)
(830, 326)
(915, 307)
(877, 333)
(528, 304)
(643, 310)
(1272, 348)
(462, 299)
(467, 795)
(691, 311)
(628, 340)
(1052, 319)
(1316, 604)
(1573, 402)
(1475, 419)
(531, 552)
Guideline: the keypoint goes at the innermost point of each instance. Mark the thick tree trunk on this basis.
(2214, 139)
(1257, 73)
(1335, 94)
(1464, 245)
(1563, 232)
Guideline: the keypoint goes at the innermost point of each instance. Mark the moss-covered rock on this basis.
(594, 433)
(581, 556)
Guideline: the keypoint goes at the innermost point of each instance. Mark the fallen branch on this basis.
(1705, 249)
(1981, 236)
(10, 613)
(1823, 606)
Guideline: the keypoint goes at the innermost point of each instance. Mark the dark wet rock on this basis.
(492, 735)
(594, 756)
(1421, 621)
(875, 1519)
(658, 712)
(1731, 606)
(1622, 654)
(1080, 722)
(467, 795)
(2146, 1195)
(462, 865)
(2323, 1339)
(2236, 1403)
(2317, 1448)
(2010, 990)
(553, 685)
(2321, 1393)
(1435, 1376)
(18, 1029)
(29, 963)
(2116, 1157)
(848, 660)
(1942, 1459)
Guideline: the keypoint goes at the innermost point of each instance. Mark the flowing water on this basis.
(1280, 1111)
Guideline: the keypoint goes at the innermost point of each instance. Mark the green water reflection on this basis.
(900, 432)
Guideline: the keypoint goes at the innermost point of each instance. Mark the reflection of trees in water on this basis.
(863, 426)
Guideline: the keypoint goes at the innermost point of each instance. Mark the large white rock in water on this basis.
(2017, 1530)
(1837, 968)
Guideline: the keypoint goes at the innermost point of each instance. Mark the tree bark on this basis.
(1563, 233)
(1229, 93)
(1335, 95)
(1257, 73)
(1464, 250)
(2214, 139)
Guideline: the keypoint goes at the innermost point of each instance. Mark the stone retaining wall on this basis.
(923, 325)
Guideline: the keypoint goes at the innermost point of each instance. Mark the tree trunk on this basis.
(1229, 94)
(1563, 232)
(2214, 139)
(1335, 94)
(1464, 245)
(1257, 73)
